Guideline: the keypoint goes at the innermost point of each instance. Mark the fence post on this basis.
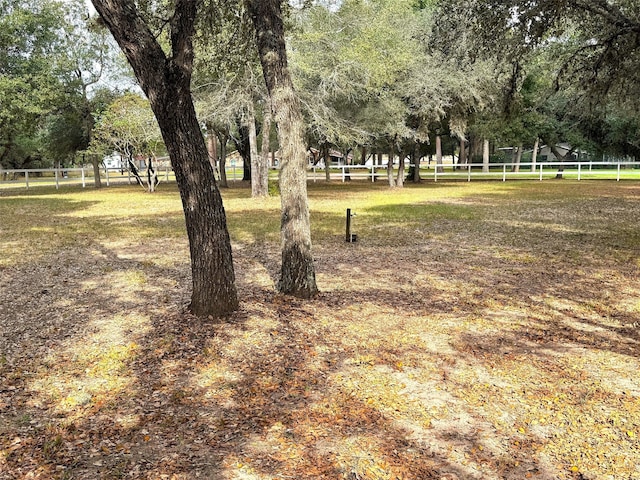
(469, 172)
(540, 165)
(26, 178)
(618, 177)
(579, 170)
(106, 173)
(83, 182)
(55, 173)
(504, 172)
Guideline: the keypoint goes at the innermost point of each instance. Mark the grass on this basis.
(481, 330)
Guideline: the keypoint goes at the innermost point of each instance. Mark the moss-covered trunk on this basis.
(297, 275)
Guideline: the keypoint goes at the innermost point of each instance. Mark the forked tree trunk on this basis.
(166, 82)
(297, 275)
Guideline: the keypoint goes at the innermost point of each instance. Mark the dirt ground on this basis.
(490, 335)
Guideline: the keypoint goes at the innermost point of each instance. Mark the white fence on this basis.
(27, 178)
(503, 171)
(70, 176)
(58, 177)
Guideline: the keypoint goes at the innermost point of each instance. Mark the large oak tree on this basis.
(166, 80)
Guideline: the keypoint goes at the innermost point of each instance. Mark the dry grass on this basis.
(475, 331)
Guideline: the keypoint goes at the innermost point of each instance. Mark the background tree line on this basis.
(373, 77)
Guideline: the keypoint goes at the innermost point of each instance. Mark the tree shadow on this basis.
(393, 372)
(166, 394)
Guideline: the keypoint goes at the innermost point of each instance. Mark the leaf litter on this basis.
(458, 353)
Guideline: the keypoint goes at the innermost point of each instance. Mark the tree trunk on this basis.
(485, 155)
(243, 146)
(416, 163)
(400, 176)
(95, 162)
(223, 139)
(298, 273)
(518, 158)
(347, 162)
(263, 166)
(475, 148)
(392, 182)
(327, 162)
(561, 158)
(439, 154)
(257, 184)
(152, 175)
(534, 154)
(212, 146)
(463, 152)
(166, 81)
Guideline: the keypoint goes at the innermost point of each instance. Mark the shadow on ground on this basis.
(445, 349)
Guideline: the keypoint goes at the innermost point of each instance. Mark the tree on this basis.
(297, 275)
(85, 52)
(371, 77)
(129, 127)
(31, 86)
(595, 42)
(227, 84)
(347, 63)
(166, 80)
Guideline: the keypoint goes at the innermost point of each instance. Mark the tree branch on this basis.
(182, 31)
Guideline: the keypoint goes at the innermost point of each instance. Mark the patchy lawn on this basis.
(474, 331)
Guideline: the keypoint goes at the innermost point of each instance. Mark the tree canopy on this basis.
(368, 72)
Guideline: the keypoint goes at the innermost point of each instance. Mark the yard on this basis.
(480, 330)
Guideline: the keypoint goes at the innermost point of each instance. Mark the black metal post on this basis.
(351, 237)
(348, 225)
